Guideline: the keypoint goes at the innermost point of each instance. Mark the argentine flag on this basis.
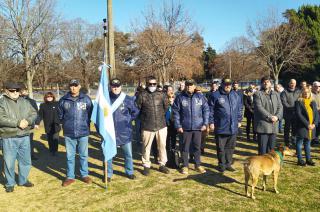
(102, 116)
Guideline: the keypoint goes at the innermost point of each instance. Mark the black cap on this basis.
(115, 82)
(190, 82)
(74, 82)
(235, 82)
(226, 81)
(12, 85)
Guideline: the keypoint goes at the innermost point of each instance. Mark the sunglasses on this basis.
(13, 90)
(153, 84)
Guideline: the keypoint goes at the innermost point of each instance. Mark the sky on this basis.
(218, 20)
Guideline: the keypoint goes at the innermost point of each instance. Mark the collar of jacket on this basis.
(223, 92)
(7, 96)
(185, 93)
(289, 90)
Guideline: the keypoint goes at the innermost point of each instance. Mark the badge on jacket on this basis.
(221, 100)
(81, 105)
(198, 102)
(184, 103)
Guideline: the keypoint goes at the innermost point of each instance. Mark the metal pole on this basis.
(229, 67)
(111, 40)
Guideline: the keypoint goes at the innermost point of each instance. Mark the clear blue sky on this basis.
(220, 20)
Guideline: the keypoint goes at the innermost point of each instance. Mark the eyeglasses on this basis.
(152, 84)
(13, 90)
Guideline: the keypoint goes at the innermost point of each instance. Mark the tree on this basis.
(208, 61)
(31, 27)
(281, 46)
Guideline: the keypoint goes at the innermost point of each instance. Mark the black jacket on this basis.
(49, 114)
(153, 107)
(248, 104)
(303, 119)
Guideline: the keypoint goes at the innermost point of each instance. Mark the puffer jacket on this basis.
(74, 114)
(11, 113)
(122, 118)
(190, 112)
(225, 112)
(153, 107)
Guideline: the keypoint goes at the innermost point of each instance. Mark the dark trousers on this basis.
(53, 140)
(266, 142)
(191, 138)
(249, 127)
(289, 125)
(225, 145)
(171, 138)
(31, 144)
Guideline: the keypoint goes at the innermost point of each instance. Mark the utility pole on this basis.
(230, 67)
(111, 40)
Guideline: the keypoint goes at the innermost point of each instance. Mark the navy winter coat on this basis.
(225, 112)
(190, 112)
(122, 118)
(75, 114)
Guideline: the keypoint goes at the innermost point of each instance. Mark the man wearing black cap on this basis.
(16, 117)
(225, 119)
(75, 110)
(124, 112)
(191, 116)
(267, 113)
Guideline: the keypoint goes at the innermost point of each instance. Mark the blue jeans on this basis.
(71, 144)
(16, 149)
(306, 144)
(128, 162)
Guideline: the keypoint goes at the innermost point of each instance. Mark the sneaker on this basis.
(9, 189)
(230, 169)
(310, 163)
(146, 171)
(68, 182)
(221, 169)
(131, 176)
(184, 170)
(28, 184)
(86, 180)
(200, 169)
(164, 169)
(301, 163)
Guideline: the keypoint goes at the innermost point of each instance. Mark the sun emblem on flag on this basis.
(105, 111)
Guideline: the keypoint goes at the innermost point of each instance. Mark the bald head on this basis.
(292, 84)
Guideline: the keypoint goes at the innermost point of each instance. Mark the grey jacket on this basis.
(265, 106)
(11, 113)
(288, 98)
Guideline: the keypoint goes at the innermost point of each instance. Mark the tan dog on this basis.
(265, 164)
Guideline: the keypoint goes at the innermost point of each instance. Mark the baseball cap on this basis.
(74, 82)
(190, 82)
(12, 85)
(226, 81)
(115, 82)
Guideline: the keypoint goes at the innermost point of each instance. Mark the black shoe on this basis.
(202, 152)
(301, 163)
(221, 169)
(164, 169)
(28, 184)
(230, 169)
(9, 189)
(146, 171)
(310, 163)
(131, 176)
(33, 157)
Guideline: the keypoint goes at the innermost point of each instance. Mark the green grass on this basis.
(299, 186)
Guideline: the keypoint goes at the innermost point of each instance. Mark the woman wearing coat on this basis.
(49, 114)
(307, 119)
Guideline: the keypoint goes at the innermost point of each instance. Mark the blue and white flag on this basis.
(102, 116)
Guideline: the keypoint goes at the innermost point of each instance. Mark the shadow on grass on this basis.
(213, 179)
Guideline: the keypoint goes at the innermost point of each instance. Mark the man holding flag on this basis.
(74, 112)
(124, 111)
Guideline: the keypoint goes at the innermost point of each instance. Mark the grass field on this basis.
(299, 186)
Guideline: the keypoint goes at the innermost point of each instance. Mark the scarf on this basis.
(307, 104)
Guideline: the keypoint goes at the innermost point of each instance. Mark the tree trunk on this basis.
(29, 83)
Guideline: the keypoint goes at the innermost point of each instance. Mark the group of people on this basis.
(161, 117)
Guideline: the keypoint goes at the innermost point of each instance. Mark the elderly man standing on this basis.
(75, 110)
(267, 113)
(153, 105)
(125, 111)
(316, 98)
(225, 119)
(16, 118)
(288, 97)
(191, 117)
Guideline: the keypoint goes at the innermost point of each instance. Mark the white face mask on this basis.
(152, 89)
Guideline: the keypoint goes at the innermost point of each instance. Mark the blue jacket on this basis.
(190, 112)
(75, 114)
(225, 112)
(122, 118)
